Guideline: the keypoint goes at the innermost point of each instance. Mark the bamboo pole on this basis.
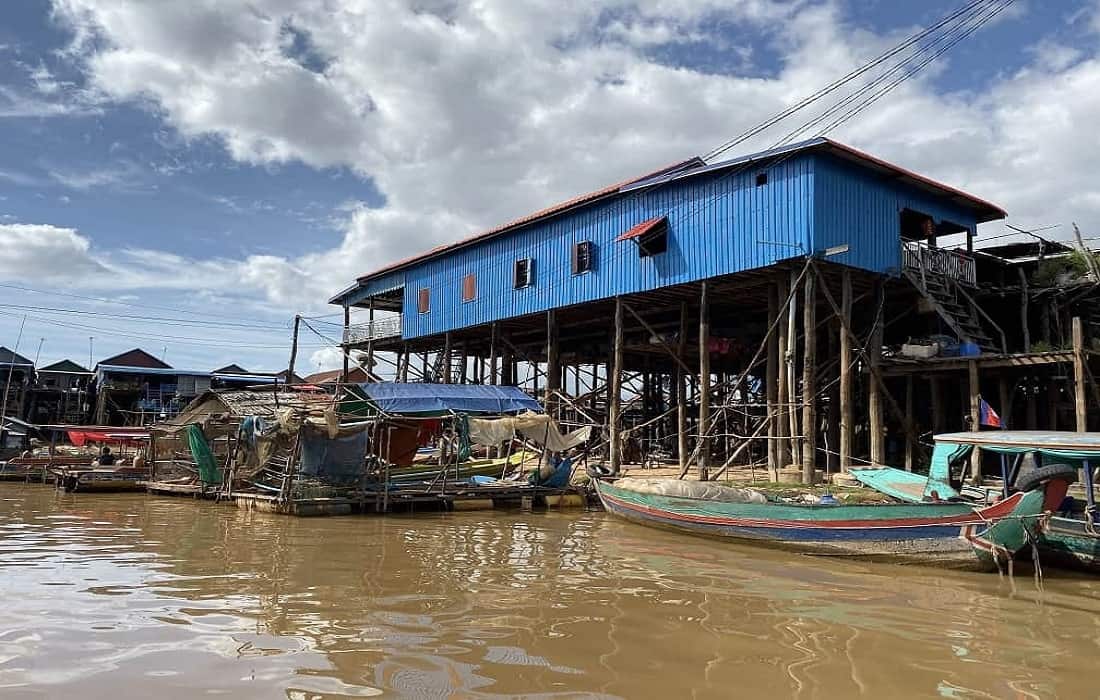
(704, 381)
(1023, 309)
(809, 381)
(792, 383)
(615, 388)
(782, 422)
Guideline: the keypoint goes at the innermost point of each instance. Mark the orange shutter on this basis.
(469, 287)
(423, 301)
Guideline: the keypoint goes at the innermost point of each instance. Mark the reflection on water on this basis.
(108, 596)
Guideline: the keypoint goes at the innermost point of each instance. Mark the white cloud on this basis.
(466, 115)
(43, 252)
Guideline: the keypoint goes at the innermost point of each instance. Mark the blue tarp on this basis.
(398, 398)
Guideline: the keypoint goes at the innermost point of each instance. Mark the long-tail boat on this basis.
(1068, 538)
(956, 535)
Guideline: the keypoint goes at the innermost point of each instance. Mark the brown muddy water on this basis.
(130, 596)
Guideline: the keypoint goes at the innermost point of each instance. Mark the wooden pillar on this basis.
(935, 398)
(293, 350)
(704, 382)
(1079, 376)
(403, 369)
(1052, 403)
(809, 380)
(553, 365)
(771, 381)
(975, 419)
(615, 388)
(464, 374)
(792, 382)
(1030, 402)
(370, 336)
(494, 375)
(1004, 389)
(445, 363)
(909, 446)
(1023, 309)
(681, 399)
(347, 337)
(845, 447)
(874, 393)
(782, 396)
(507, 367)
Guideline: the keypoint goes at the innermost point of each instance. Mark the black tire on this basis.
(1032, 479)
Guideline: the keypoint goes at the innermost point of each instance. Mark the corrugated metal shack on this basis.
(809, 306)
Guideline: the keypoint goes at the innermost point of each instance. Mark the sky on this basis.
(186, 177)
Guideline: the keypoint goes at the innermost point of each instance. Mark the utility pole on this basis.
(293, 350)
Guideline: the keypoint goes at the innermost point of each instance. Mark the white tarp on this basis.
(538, 428)
(678, 488)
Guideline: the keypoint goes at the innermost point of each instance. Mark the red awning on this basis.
(131, 438)
(643, 228)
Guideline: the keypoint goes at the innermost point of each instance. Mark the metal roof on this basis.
(1036, 439)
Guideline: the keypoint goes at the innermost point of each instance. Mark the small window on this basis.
(583, 257)
(469, 287)
(761, 179)
(424, 301)
(653, 242)
(523, 273)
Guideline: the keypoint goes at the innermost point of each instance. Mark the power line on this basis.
(161, 320)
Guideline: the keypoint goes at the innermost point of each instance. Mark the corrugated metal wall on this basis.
(863, 209)
(718, 224)
(380, 285)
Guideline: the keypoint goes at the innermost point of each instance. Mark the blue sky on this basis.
(239, 161)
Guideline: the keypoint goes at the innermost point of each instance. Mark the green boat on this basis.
(1068, 537)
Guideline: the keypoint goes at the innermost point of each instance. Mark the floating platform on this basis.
(168, 488)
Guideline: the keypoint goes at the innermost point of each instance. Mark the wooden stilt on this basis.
(681, 400)
(782, 422)
(494, 373)
(935, 394)
(845, 447)
(910, 447)
(809, 381)
(1080, 403)
(874, 393)
(771, 382)
(792, 381)
(553, 365)
(403, 373)
(445, 363)
(975, 419)
(1004, 389)
(704, 382)
(615, 388)
(1031, 402)
(370, 337)
(293, 350)
(1023, 309)
(1052, 403)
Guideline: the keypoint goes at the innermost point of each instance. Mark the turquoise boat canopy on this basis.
(414, 399)
(1053, 443)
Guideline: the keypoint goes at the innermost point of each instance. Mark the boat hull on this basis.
(1067, 542)
(951, 535)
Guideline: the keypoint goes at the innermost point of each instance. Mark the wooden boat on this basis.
(94, 478)
(956, 535)
(1069, 537)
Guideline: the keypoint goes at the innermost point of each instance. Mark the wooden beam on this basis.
(875, 390)
(845, 371)
(1080, 402)
(553, 364)
(792, 383)
(782, 422)
(704, 382)
(910, 444)
(672, 353)
(615, 390)
(1023, 309)
(809, 380)
(293, 350)
(445, 363)
(935, 398)
(494, 370)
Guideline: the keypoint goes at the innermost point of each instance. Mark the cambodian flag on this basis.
(987, 416)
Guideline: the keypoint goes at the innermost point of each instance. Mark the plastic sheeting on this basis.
(209, 473)
(703, 490)
(398, 398)
(339, 460)
(539, 429)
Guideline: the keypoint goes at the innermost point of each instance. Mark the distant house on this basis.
(231, 369)
(61, 394)
(16, 375)
(136, 388)
(356, 375)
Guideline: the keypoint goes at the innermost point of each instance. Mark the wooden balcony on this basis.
(927, 261)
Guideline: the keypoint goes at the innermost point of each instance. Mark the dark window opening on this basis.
(469, 287)
(654, 241)
(522, 273)
(917, 226)
(761, 179)
(583, 257)
(424, 301)
(947, 228)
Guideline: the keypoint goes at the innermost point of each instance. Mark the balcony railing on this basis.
(379, 329)
(927, 260)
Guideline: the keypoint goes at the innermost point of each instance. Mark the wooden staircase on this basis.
(943, 294)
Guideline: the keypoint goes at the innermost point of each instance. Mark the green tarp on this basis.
(209, 473)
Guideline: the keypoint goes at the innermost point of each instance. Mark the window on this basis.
(583, 257)
(761, 179)
(469, 287)
(654, 241)
(916, 226)
(523, 273)
(424, 301)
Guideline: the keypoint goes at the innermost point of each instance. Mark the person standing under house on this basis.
(106, 459)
